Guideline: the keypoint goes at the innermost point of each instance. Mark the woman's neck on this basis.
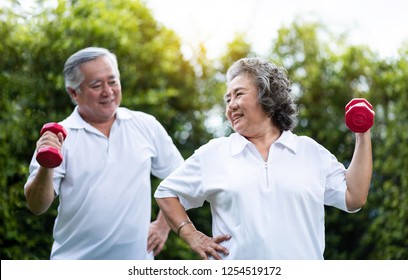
(263, 141)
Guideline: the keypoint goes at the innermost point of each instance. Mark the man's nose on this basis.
(107, 89)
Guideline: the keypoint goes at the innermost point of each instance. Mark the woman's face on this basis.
(243, 109)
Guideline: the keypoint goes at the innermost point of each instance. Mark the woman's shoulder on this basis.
(215, 146)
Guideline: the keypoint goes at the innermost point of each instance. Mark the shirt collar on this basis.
(75, 121)
(238, 143)
(287, 140)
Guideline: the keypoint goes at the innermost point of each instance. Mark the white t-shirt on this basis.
(273, 209)
(104, 186)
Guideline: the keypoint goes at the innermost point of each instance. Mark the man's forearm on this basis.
(39, 192)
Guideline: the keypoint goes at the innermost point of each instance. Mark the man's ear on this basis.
(72, 93)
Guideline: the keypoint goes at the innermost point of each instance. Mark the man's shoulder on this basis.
(125, 113)
(140, 121)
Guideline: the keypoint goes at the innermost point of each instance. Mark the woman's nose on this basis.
(232, 105)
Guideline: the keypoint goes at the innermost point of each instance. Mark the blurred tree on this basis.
(326, 74)
(388, 205)
(238, 48)
(35, 44)
(210, 83)
(186, 96)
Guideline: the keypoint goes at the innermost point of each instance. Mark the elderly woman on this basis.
(266, 186)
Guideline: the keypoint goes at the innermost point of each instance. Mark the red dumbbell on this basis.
(359, 115)
(50, 157)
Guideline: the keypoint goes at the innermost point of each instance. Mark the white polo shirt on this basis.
(273, 209)
(104, 186)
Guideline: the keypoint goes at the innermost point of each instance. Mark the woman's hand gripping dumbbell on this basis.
(49, 145)
(359, 114)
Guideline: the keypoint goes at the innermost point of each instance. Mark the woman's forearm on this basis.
(359, 173)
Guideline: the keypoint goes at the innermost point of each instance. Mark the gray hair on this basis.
(274, 92)
(72, 73)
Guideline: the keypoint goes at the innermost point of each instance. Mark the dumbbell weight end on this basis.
(359, 115)
(49, 157)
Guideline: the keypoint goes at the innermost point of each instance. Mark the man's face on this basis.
(100, 93)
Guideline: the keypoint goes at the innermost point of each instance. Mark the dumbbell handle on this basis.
(47, 156)
(359, 115)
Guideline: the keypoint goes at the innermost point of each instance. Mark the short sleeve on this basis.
(335, 180)
(184, 183)
(167, 157)
(58, 174)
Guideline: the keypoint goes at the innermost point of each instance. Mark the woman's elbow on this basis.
(356, 203)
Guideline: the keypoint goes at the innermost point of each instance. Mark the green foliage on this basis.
(325, 78)
(236, 49)
(183, 95)
(388, 232)
(155, 79)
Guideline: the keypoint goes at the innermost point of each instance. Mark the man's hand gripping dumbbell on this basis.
(49, 145)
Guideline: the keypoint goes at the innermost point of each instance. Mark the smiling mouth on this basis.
(107, 102)
(236, 117)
